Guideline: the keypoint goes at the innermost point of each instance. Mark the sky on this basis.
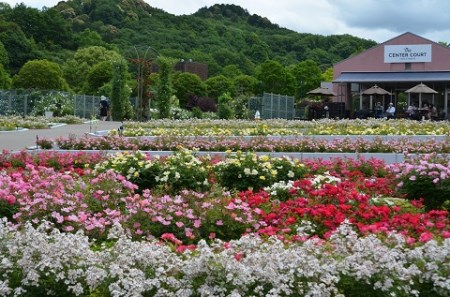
(378, 20)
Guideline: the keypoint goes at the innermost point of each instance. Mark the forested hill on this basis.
(219, 35)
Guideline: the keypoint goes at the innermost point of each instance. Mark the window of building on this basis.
(407, 66)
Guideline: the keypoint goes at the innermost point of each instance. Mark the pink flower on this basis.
(238, 256)
(426, 236)
(197, 223)
(10, 199)
(212, 235)
(412, 177)
(59, 218)
(410, 240)
(219, 223)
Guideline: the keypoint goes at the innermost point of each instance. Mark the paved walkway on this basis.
(20, 140)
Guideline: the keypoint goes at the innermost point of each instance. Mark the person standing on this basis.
(104, 107)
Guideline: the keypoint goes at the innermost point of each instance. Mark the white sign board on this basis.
(407, 53)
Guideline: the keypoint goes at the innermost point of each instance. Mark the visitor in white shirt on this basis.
(390, 112)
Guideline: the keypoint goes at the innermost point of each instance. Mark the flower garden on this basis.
(135, 223)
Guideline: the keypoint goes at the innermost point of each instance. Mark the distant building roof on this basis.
(405, 76)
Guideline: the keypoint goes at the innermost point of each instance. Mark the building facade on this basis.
(396, 66)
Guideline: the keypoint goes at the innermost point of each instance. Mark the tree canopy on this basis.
(40, 74)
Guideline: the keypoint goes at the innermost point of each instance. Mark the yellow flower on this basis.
(262, 177)
(264, 158)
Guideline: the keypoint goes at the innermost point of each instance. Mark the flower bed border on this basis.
(388, 158)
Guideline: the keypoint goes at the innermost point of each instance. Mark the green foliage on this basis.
(40, 74)
(99, 75)
(88, 38)
(187, 84)
(327, 75)
(120, 93)
(231, 71)
(4, 58)
(164, 88)
(5, 80)
(275, 78)
(197, 112)
(19, 48)
(218, 85)
(227, 38)
(60, 104)
(245, 84)
(240, 107)
(224, 109)
(307, 77)
(76, 70)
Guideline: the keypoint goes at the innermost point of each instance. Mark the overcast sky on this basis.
(378, 20)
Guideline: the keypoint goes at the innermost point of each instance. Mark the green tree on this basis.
(4, 58)
(164, 88)
(274, 78)
(40, 74)
(245, 84)
(88, 38)
(99, 75)
(231, 71)
(120, 92)
(224, 109)
(327, 75)
(218, 85)
(20, 49)
(186, 85)
(5, 80)
(76, 69)
(307, 77)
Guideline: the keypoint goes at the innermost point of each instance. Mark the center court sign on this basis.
(407, 53)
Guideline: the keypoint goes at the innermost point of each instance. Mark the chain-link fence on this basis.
(25, 102)
(273, 106)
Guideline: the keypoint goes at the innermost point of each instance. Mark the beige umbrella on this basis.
(374, 90)
(421, 89)
(322, 91)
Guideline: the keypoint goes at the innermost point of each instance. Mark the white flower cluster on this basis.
(279, 187)
(246, 267)
(326, 178)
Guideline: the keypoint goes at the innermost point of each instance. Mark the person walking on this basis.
(104, 108)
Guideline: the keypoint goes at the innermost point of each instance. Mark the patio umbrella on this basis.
(322, 91)
(375, 90)
(421, 89)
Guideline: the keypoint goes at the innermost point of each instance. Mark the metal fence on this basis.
(22, 102)
(273, 106)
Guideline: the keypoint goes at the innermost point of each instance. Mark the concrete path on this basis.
(20, 140)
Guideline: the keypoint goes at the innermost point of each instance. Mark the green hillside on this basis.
(219, 35)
